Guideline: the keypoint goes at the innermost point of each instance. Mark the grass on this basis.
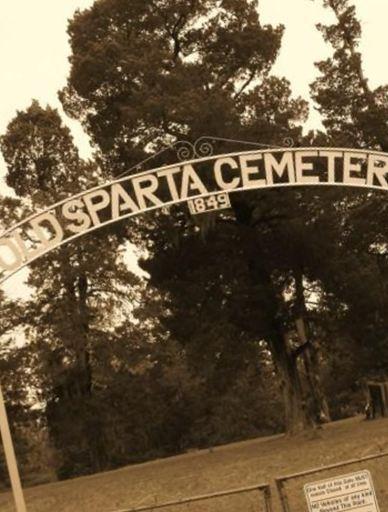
(225, 467)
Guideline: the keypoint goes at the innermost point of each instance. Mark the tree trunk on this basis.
(93, 426)
(83, 355)
(74, 390)
(319, 405)
(297, 417)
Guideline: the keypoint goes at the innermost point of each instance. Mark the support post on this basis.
(10, 458)
(282, 494)
(268, 499)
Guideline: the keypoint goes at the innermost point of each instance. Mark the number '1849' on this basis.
(210, 203)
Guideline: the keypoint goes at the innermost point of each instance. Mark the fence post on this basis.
(10, 458)
(268, 499)
(282, 495)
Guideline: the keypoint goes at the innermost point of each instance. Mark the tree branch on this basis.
(245, 84)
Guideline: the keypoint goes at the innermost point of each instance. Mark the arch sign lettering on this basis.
(204, 183)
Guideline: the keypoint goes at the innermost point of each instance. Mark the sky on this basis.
(34, 52)
(303, 44)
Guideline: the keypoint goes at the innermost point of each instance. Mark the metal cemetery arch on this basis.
(186, 181)
(204, 182)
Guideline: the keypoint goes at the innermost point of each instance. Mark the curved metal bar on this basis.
(181, 200)
(183, 153)
(189, 162)
(288, 142)
(265, 488)
(202, 147)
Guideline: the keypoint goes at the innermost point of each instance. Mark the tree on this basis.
(144, 75)
(185, 82)
(24, 419)
(75, 295)
(353, 113)
(122, 381)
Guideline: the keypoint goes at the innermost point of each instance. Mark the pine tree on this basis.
(75, 295)
(353, 113)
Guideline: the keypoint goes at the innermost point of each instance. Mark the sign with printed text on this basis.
(353, 492)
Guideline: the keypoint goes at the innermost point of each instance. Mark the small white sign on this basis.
(353, 492)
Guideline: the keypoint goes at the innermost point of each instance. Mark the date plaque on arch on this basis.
(209, 204)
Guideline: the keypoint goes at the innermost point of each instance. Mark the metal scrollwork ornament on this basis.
(203, 147)
(185, 150)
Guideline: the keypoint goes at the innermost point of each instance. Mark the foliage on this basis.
(205, 350)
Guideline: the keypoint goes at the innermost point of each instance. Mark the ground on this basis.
(225, 467)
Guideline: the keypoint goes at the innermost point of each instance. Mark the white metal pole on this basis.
(11, 458)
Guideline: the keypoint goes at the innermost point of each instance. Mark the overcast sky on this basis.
(34, 53)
